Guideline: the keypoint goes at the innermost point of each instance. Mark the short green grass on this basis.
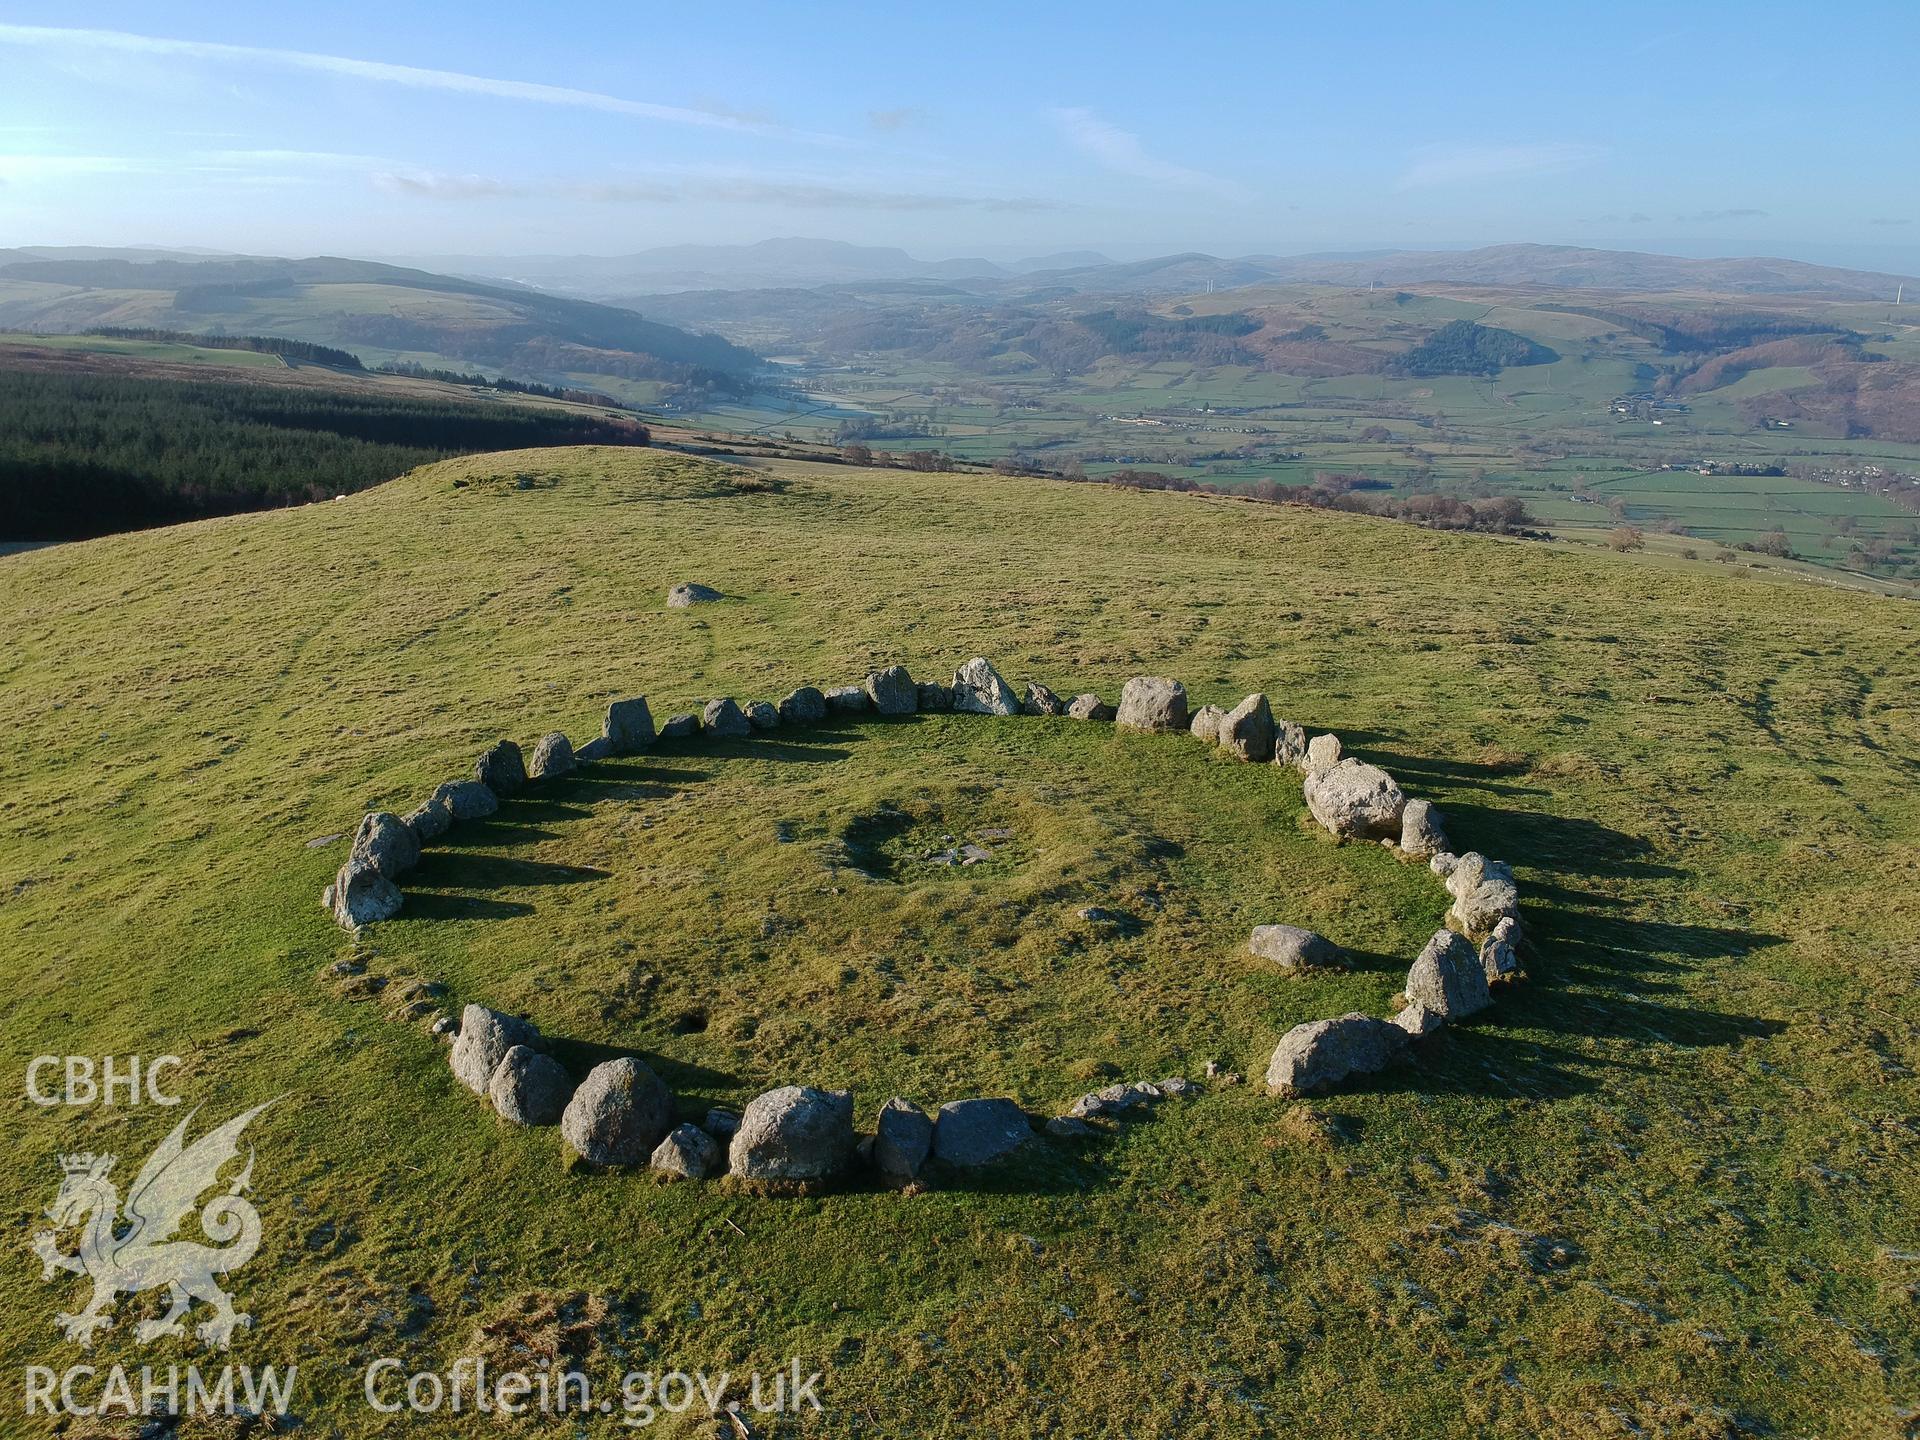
(1666, 1190)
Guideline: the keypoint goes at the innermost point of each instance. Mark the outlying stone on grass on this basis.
(529, 1088)
(1420, 832)
(485, 1038)
(692, 593)
(1448, 978)
(552, 757)
(1354, 800)
(361, 895)
(902, 1138)
(621, 1111)
(1204, 726)
(687, 1153)
(629, 725)
(804, 706)
(1292, 947)
(970, 1133)
(500, 768)
(387, 843)
(795, 1134)
(1321, 1053)
(1246, 731)
(723, 720)
(892, 691)
(1152, 702)
(1088, 706)
(979, 689)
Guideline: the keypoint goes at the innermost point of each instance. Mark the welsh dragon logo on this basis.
(144, 1255)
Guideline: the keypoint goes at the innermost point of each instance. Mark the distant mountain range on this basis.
(807, 264)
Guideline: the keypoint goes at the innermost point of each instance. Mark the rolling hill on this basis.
(1657, 1192)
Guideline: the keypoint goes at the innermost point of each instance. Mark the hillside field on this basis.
(1665, 1189)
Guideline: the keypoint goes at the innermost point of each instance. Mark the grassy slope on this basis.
(1705, 1095)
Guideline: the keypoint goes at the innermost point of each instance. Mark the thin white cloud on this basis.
(672, 190)
(53, 167)
(410, 76)
(1122, 152)
(1438, 165)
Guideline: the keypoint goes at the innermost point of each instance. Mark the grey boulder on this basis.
(1500, 951)
(361, 895)
(628, 726)
(1205, 724)
(848, 700)
(968, 1133)
(1320, 1054)
(805, 706)
(1152, 702)
(528, 1088)
(933, 696)
(761, 715)
(1483, 894)
(485, 1038)
(1039, 700)
(1419, 1021)
(598, 748)
(552, 757)
(683, 726)
(902, 1138)
(979, 689)
(1292, 947)
(387, 843)
(1420, 832)
(1289, 743)
(1448, 978)
(1355, 801)
(892, 691)
(619, 1113)
(794, 1134)
(723, 720)
(692, 593)
(1088, 706)
(430, 819)
(687, 1153)
(1246, 732)
(500, 768)
(467, 799)
(1322, 753)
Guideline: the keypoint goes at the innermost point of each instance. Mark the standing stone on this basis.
(1323, 753)
(1292, 947)
(1205, 725)
(892, 691)
(1420, 832)
(1247, 730)
(387, 843)
(967, 1133)
(902, 1138)
(720, 1124)
(362, 895)
(1289, 743)
(688, 1153)
(1419, 1021)
(795, 1133)
(528, 1088)
(467, 799)
(723, 720)
(848, 700)
(1088, 706)
(1039, 700)
(619, 1113)
(430, 820)
(1483, 894)
(979, 689)
(629, 725)
(485, 1037)
(683, 726)
(552, 757)
(501, 769)
(1499, 952)
(1320, 1054)
(1152, 702)
(1355, 801)
(933, 696)
(1443, 864)
(762, 716)
(681, 596)
(598, 748)
(1448, 978)
(805, 706)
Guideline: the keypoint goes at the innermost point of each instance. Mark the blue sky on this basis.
(989, 128)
